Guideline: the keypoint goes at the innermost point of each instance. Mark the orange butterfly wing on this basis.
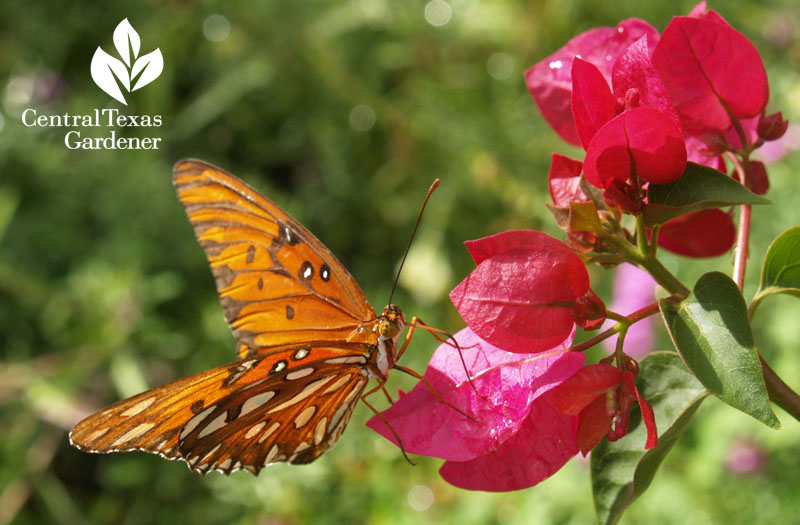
(278, 284)
(244, 415)
(305, 333)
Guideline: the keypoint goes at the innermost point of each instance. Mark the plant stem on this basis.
(742, 167)
(742, 244)
(641, 236)
(645, 257)
(779, 392)
(636, 316)
(616, 317)
(619, 354)
(664, 277)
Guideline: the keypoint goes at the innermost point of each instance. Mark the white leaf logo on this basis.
(109, 73)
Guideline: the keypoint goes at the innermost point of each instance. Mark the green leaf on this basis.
(781, 270)
(712, 333)
(699, 188)
(622, 471)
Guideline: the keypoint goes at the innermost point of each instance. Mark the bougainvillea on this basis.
(668, 123)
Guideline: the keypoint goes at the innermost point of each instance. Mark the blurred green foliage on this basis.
(343, 113)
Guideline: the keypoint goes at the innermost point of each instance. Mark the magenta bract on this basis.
(564, 180)
(634, 74)
(521, 295)
(505, 403)
(550, 82)
(639, 144)
(708, 69)
(592, 101)
(543, 445)
(705, 233)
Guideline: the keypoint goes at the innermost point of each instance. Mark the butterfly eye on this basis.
(388, 328)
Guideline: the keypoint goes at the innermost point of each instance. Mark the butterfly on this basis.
(308, 344)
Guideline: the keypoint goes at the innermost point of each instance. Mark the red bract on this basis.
(564, 181)
(602, 397)
(592, 101)
(758, 181)
(703, 152)
(711, 73)
(639, 144)
(509, 443)
(635, 76)
(772, 127)
(522, 294)
(706, 233)
(550, 81)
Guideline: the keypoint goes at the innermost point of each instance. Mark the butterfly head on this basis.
(392, 322)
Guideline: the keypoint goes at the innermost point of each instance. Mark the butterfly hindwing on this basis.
(278, 284)
(290, 406)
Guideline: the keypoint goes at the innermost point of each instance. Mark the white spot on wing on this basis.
(307, 391)
(215, 425)
(338, 384)
(133, 433)
(346, 360)
(196, 420)
(255, 429)
(97, 434)
(273, 452)
(138, 407)
(269, 432)
(319, 430)
(304, 416)
(256, 402)
(301, 354)
(337, 416)
(241, 370)
(297, 374)
(346, 405)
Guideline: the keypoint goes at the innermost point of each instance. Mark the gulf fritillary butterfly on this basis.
(308, 343)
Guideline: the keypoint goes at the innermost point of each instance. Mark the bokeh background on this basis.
(342, 112)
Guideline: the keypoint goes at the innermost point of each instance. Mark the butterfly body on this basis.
(308, 344)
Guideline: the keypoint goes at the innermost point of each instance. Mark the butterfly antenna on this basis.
(413, 233)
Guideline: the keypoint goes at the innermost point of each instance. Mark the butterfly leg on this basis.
(386, 393)
(416, 322)
(437, 333)
(385, 421)
(382, 387)
(413, 373)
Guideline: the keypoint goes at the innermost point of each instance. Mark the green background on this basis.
(343, 113)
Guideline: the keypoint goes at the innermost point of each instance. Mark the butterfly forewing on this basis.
(278, 284)
(290, 406)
